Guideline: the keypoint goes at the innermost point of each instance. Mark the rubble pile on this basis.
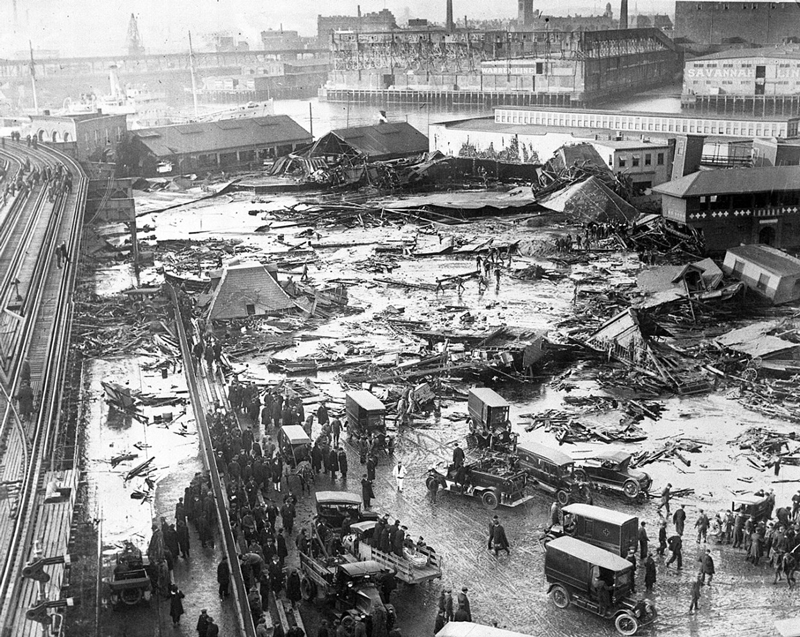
(766, 446)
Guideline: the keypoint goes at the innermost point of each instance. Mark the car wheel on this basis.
(562, 497)
(560, 596)
(631, 488)
(308, 589)
(489, 499)
(580, 475)
(131, 596)
(626, 624)
(430, 482)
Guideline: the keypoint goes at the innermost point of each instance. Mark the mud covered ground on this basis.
(510, 589)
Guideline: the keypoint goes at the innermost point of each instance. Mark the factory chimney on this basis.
(623, 14)
(449, 24)
(525, 14)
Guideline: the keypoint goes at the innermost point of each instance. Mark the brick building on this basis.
(94, 136)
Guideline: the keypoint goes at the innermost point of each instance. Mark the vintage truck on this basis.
(367, 415)
(130, 582)
(609, 470)
(494, 479)
(572, 567)
(490, 426)
(351, 586)
(334, 506)
(610, 530)
(551, 471)
(416, 566)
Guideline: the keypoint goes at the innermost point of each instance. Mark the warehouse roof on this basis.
(247, 289)
(792, 53)
(246, 132)
(733, 181)
(382, 141)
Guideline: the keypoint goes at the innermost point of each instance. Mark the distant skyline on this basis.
(99, 27)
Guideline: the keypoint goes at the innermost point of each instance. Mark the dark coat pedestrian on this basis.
(696, 585)
(662, 538)
(224, 577)
(293, 587)
(675, 544)
(448, 605)
(183, 538)
(679, 519)
(333, 463)
(642, 540)
(707, 567)
(213, 629)
(366, 491)
(649, 572)
(371, 467)
(202, 623)
(341, 456)
(499, 540)
(176, 604)
(463, 603)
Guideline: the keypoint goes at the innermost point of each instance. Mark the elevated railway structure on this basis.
(35, 320)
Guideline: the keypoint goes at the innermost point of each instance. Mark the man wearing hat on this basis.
(463, 606)
(212, 629)
(643, 540)
(666, 496)
(202, 623)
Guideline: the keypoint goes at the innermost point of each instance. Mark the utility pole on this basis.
(33, 80)
(194, 81)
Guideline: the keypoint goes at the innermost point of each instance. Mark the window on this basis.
(622, 162)
(660, 159)
(251, 309)
(648, 159)
(738, 266)
(763, 282)
(635, 161)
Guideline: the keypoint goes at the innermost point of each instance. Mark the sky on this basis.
(99, 27)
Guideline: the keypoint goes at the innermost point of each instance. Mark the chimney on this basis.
(359, 11)
(623, 14)
(525, 14)
(450, 26)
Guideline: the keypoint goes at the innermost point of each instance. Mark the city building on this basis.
(94, 136)
(645, 122)
(772, 273)
(280, 40)
(737, 206)
(736, 22)
(517, 67)
(646, 163)
(380, 21)
(213, 145)
(271, 79)
(776, 152)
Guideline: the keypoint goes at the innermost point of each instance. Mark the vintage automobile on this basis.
(603, 528)
(610, 470)
(351, 586)
(334, 506)
(367, 415)
(417, 565)
(551, 471)
(294, 444)
(130, 581)
(495, 479)
(572, 567)
(490, 427)
(758, 505)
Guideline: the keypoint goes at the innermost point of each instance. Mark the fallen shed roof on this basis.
(754, 340)
(243, 285)
(771, 259)
(516, 198)
(590, 200)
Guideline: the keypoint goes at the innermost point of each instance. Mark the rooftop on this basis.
(386, 140)
(599, 513)
(733, 181)
(792, 53)
(592, 554)
(202, 137)
(771, 259)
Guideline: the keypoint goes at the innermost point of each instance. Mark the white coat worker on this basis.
(399, 473)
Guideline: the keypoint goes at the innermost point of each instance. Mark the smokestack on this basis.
(359, 11)
(525, 14)
(449, 20)
(623, 14)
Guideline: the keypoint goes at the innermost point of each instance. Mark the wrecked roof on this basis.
(200, 137)
(754, 340)
(770, 259)
(590, 200)
(245, 290)
(468, 200)
(382, 141)
(733, 181)
(576, 154)
(671, 277)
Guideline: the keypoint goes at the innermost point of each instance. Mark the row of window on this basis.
(749, 200)
(104, 136)
(622, 160)
(638, 123)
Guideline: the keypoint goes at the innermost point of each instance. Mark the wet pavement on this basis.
(508, 589)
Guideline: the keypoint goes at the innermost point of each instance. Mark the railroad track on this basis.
(40, 331)
(205, 394)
